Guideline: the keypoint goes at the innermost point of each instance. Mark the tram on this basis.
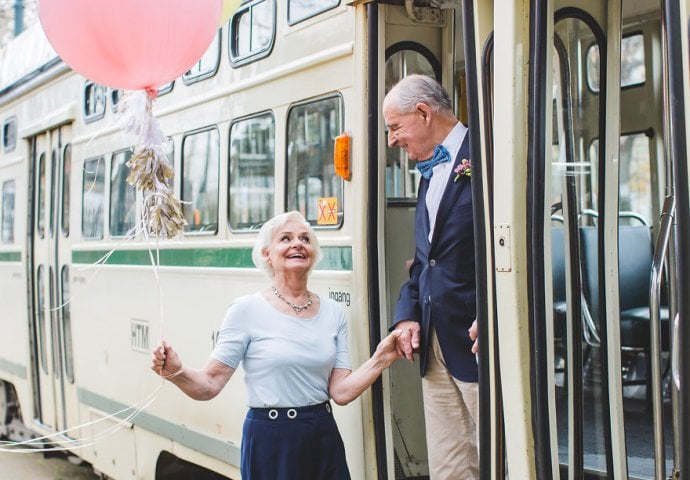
(578, 116)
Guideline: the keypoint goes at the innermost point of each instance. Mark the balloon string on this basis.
(48, 443)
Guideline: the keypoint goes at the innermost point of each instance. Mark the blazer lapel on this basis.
(452, 191)
(421, 201)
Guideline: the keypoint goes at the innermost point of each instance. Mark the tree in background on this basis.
(8, 9)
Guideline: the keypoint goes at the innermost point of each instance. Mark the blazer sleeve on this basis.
(407, 306)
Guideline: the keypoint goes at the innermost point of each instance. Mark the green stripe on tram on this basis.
(201, 442)
(10, 256)
(334, 258)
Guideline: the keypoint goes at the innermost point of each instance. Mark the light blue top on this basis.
(287, 360)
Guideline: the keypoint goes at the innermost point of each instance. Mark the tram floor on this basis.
(639, 431)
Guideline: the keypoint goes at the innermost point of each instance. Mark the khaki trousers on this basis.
(451, 414)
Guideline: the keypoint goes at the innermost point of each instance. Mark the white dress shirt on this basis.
(439, 180)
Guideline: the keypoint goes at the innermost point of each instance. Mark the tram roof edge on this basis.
(26, 54)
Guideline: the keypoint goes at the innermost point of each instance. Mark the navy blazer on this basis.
(441, 289)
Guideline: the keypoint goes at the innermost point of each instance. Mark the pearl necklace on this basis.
(296, 308)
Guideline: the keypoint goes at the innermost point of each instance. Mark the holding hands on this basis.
(408, 340)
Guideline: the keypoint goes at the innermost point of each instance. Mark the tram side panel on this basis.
(14, 334)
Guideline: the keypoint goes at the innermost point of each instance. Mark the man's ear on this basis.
(424, 111)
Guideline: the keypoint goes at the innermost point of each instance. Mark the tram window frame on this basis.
(9, 134)
(7, 223)
(293, 21)
(95, 100)
(589, 77)
(188, 203)
(119, 218)
(236, 186)
(66, 187)
(88, 185)
(41, 197)
(198, 71)
(294, 203)
(116, 95)
(166, 88)
(402, 178)
(66, 323)
(41, 317)
(235, 34)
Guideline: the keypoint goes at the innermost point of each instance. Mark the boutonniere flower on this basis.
(465, 168)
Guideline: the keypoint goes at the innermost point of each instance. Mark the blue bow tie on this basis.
(426, 167)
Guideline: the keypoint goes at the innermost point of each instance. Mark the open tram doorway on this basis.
(607, 180)
(52, 366)
(428, 41)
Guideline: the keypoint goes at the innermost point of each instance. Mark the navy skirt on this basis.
(292, 444)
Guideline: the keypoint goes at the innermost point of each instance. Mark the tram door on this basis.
(605, 194)
(416, 41)
(54, 388)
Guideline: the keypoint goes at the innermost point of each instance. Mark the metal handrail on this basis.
(674, 354)
(658, 261)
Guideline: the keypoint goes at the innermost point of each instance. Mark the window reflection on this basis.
(312, 129)
(302, 9)
(251, 174)
(93, 197)
(252, 31)
(122, 196)
(8, 189)
(200, 163)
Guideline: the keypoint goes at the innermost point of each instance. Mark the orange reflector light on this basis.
(341, 156)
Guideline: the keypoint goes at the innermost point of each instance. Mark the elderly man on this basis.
(436, 308)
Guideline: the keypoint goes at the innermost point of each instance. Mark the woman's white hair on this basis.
(259, 252)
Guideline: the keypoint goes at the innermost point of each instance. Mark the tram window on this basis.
(41, 213)
(51, 209)
(200, 165)
(312, 128)
(66, 188)
(93, 198)
(115, 97)
(8, 189)
(94, 101)
(251, 173)
(122, 196)
(66, 323)
(41, 317)
(635, 179)
(167, 88)
(299, 10)
(9, 134)
(633, 70)
(252, 32)
(207, 66)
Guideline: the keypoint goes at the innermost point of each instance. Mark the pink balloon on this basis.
(130, 44)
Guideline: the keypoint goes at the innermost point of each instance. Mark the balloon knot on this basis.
(151, 92)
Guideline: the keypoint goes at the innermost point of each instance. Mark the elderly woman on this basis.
(293, 347)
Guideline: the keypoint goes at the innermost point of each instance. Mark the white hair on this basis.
(259, 255)
(414, 89)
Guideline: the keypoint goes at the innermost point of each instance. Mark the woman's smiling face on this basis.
(291, 248)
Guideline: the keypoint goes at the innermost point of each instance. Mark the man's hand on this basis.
(408, 340)
(474, 334)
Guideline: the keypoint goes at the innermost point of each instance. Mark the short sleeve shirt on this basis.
(287, 360)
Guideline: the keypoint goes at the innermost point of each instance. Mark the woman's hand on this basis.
(164, 361)
(387, 351)
(345, 385)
